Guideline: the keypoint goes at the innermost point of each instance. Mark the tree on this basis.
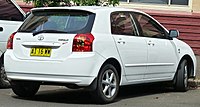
(52, 3)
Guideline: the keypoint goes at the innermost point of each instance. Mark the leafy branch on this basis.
(53, 3)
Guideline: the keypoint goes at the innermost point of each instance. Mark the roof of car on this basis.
(93, 9)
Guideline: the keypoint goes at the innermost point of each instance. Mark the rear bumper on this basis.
(78, 80)
(79, 68)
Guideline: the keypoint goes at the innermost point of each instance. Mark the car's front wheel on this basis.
(107, 84)
(181, 83)
(25, 89)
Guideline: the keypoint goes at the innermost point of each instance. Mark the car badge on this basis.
(40, 37)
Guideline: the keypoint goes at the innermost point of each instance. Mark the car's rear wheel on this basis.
(3, 77)
(181, 83)
(107, 84)
(25, 89)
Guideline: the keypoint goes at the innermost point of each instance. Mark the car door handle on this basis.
(150, 43)
(121, 41)
(1, 29)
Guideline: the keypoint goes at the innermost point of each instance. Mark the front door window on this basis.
(149, 28)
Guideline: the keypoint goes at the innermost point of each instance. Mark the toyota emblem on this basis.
(41, 37)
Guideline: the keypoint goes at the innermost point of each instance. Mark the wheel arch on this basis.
(98, 88)
(116, 64)
(191, 65)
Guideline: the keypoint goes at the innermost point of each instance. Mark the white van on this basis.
(11, 17)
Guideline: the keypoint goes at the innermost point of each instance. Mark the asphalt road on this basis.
(130, 96)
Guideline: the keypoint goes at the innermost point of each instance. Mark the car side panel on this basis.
(104, 44)
(8, 28)
(162, 58)
(185, 49)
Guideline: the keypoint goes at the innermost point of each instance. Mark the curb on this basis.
(194, 83)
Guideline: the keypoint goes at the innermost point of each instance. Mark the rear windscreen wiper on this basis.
(47, 31)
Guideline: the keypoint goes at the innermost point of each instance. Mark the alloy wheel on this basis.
(109, 82)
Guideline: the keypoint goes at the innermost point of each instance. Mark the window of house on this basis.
(168, 2)
(180, 2)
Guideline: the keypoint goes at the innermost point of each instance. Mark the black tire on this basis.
(4, 83)
(25, 89)
(108, 81)
(181, 83)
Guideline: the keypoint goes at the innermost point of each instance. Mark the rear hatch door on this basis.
(48, 34)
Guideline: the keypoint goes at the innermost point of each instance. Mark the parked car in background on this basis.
(97, 48)
(11, 17)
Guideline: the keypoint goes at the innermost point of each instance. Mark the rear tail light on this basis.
(83, 43)
(10, 41)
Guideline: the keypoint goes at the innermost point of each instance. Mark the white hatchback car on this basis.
(97, 48)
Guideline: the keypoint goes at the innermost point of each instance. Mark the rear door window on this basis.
(9, 12)
(122, 23)
(69, 21)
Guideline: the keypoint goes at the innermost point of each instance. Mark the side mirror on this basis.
(173, 33)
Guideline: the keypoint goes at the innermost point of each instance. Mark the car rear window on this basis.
(69, 21)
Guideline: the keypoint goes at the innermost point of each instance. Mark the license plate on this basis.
(40, 51)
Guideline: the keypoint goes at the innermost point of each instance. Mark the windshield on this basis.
(59, 20)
